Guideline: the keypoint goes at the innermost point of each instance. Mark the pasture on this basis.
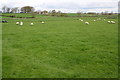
(62, 47)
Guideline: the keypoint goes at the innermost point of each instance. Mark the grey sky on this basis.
(65, 5)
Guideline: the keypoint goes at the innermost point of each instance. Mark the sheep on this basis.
(17, 23)
(21, 23)
(31, 24)
(104, 19)
(81, 20)
(87, 23)
(94, 20)
(109, 21)
(42, 22)
(113, 22)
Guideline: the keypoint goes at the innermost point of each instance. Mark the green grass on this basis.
(0, 48)
(63, 47)
(68, 14)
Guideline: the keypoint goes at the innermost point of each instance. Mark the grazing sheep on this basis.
(109, 21)
(31, 24)
(42, 22)
(87, 23)
(94, 20)
(21, 23)
(104, 19)
(113, 22)
(17, 23)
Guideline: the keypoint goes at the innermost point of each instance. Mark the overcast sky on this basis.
(65, 5)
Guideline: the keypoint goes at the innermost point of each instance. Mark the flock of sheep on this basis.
(21, 23)
(87, 23)
(112, 22)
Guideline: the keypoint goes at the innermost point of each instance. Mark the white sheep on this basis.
(17, 23)
(87, 23)
(94, 20)
(21, 23)
(31, 24)
(109, 21)
(113, 22)
(42, 22)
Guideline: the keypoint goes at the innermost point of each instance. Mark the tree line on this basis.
(25, 9)
(30, 9)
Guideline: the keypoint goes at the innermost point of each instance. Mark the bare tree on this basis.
(13, 10)
(8, 10)
(4, 9)
(53, 12)
(58, 13)
(16, 9)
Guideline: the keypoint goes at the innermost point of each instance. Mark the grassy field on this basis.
(63, 47)
(0, 48)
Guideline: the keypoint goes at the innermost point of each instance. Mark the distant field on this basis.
(68, 14)
(75, 14)
(63, 47)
